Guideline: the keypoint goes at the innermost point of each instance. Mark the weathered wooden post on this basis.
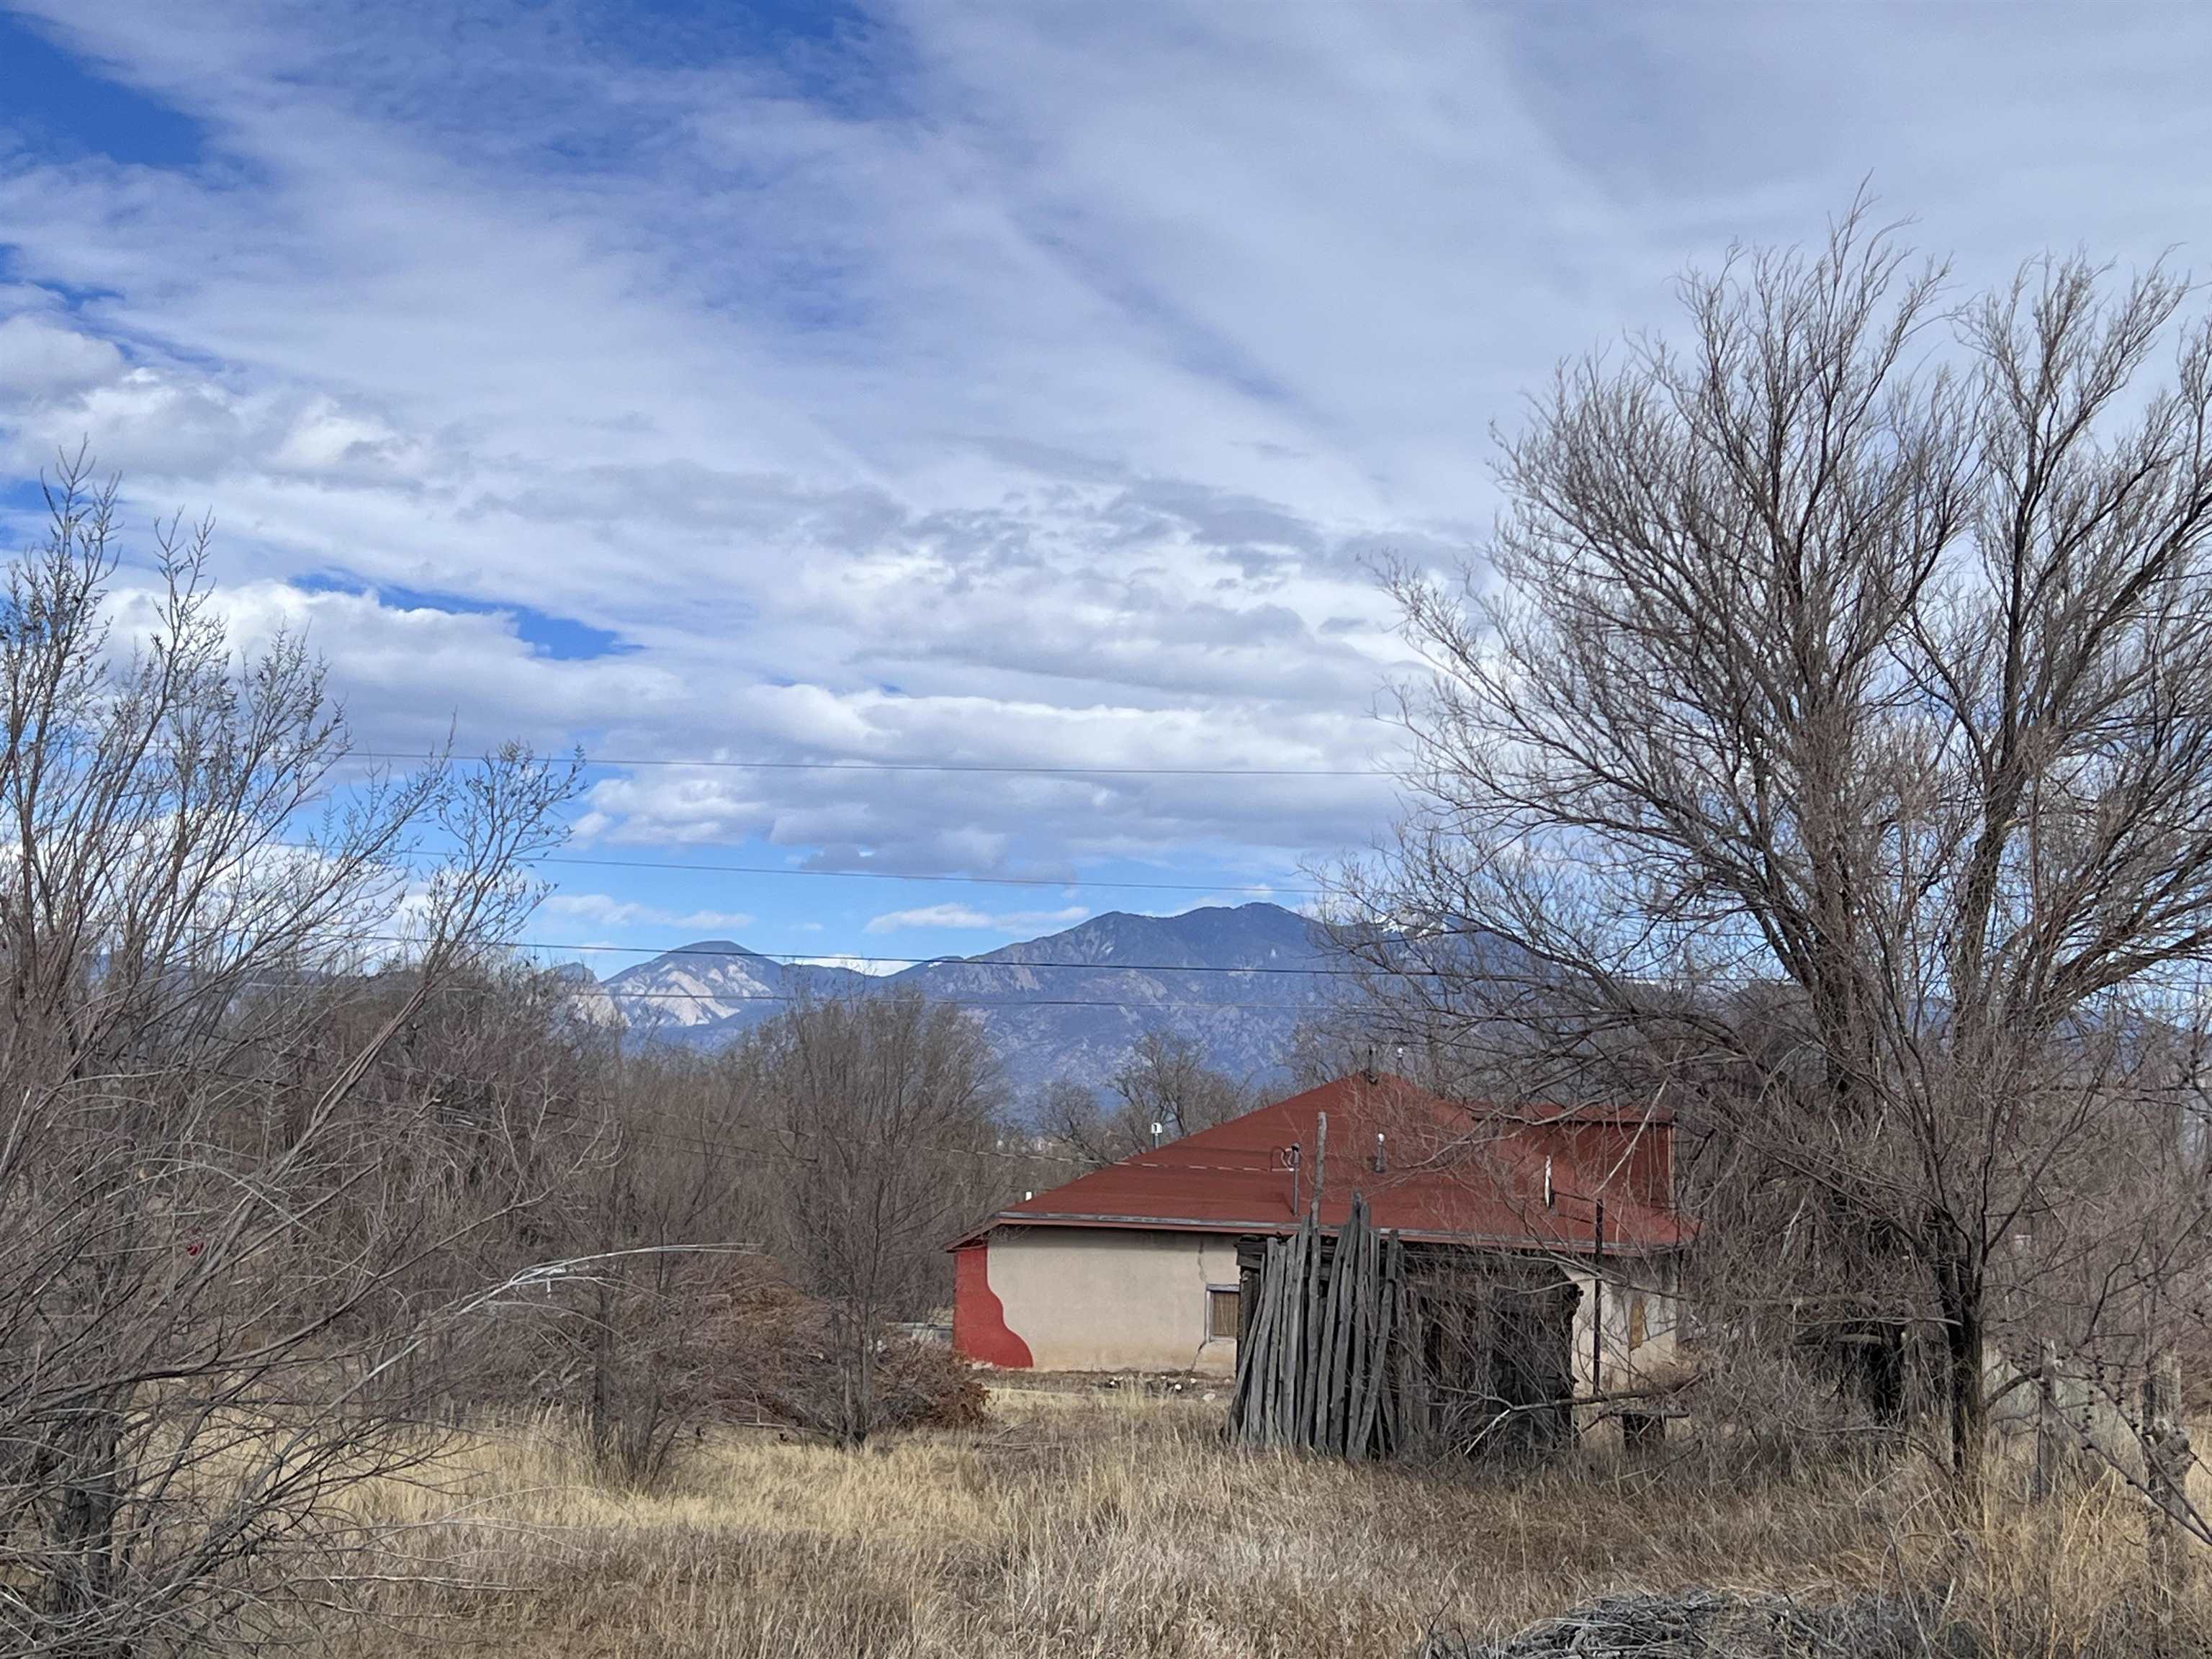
(2051, 1428)
(1597, 1311)
(2165, 1472)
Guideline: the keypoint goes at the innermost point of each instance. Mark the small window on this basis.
(1221, 1311)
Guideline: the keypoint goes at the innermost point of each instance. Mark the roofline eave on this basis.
(1520, 1242)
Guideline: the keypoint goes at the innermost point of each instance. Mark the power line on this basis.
(1729, 982)
(614, 1119)
(1258, 1163)
(895, 875)
(793, 958)
(675, 1141)
(778, 997)
(957, 1002)
(985, 766)
(660, 1135)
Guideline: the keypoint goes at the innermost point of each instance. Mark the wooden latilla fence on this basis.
(1325, 1364)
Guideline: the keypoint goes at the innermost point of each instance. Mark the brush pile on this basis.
(1702, 1624)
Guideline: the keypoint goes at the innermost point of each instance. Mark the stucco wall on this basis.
(1103, 1298)
(1637, 1350)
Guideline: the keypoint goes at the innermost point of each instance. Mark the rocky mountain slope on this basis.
(1072, 1004)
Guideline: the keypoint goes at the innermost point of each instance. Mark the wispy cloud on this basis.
(968, 918)
(605, 910)
(1021, 386)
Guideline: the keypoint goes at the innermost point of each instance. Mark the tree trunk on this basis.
(863, 1415)
(856, 1379)
(2050, 1448)
(82, 1579)
(1959, 1290)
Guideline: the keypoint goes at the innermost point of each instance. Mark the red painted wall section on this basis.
(979, 1323)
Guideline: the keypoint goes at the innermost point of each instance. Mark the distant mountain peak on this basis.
(712, 947)
(1072, 1004)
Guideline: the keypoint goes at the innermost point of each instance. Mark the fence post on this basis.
(2049, 1430)
(1597, 1313)
(1321, 1164)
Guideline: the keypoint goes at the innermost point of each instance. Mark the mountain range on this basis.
(1236, 981)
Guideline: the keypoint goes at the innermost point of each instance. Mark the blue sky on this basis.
(1018, 386)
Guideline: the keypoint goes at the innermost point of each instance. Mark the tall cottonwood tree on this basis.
(1824, 742)
(218, 1189)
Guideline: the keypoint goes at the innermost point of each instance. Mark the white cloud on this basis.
(1022, 386)
(933, 915)
(968, 918)
(605, 910)
(39, 360)
(411, 674)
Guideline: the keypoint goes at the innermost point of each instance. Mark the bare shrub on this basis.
(883, 1112)
(219, 1182)
(769, 1354)
(1165, 1083)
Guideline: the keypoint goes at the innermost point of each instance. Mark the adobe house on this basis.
(1565, 1216)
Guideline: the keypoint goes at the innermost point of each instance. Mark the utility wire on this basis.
(1718, 983)
(1261, 1163)
(674, 1141)
(677, 1139)
(799, 959)
(780, 997)
(937, 876)
(957, 1002)
(1009, 770)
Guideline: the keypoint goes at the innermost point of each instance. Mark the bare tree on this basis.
(886, 1111)
(209, 1208)
(1826, 744)
(1165, 1082)
(678, 1214)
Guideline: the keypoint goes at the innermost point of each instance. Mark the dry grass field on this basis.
(1118, 1527)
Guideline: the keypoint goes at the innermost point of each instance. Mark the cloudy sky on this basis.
(1027, 386)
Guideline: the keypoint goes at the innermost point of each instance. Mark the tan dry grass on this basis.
(1121, 1526)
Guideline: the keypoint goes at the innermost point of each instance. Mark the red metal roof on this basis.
(1470, 1172)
